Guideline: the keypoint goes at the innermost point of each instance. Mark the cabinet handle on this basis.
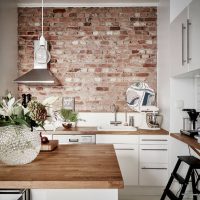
(154, 149)
(125, 149)
(188, 41)
(73, 140)
(183, 44)
(156, 140)
(162, 168)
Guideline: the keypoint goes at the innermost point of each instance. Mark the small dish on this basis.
(67, 125)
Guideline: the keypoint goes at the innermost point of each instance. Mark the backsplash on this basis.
(97, 53)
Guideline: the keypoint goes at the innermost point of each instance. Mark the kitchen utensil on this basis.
(131, 121)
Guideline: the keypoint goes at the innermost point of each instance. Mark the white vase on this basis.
(73, 124)
(18, 145)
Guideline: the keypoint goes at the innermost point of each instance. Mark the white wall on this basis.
(163, 83)
(8, 44)
(176, 6)
(181, 89)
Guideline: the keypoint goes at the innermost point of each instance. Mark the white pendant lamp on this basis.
(42, 55)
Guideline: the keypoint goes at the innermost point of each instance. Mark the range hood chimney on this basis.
(39, 75)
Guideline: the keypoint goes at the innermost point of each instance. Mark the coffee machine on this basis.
(193, 115)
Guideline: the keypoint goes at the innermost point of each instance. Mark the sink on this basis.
(116, 128)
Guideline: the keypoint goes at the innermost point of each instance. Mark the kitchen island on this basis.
(74, 172)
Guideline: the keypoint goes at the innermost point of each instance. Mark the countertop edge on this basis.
(186, 139)
(82, 131)
(62, 184)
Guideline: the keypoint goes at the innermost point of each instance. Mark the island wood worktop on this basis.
(93, 131)
(69, 166)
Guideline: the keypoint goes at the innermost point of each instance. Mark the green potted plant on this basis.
(69, 117)
(20, 142)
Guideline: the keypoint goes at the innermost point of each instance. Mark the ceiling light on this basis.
(42, 55)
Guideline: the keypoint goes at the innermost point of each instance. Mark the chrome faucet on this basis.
(115, 109)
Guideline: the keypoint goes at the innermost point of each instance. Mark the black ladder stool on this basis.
(194, 164)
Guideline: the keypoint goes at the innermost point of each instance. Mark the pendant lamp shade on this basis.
(42, 55)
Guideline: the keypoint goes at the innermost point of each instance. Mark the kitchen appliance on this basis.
(150, 118)
(193, 115)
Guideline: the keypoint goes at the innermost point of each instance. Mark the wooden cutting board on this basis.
(49, 146)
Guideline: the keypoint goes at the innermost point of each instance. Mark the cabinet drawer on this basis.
(154, 139)
(153, 153)
(153, 174)
(116, 139)
(75, 139)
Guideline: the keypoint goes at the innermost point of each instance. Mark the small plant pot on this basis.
(74, 124)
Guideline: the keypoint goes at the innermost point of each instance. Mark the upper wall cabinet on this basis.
(176, 7)
(185, 40)
(178, 42)
(194, 35)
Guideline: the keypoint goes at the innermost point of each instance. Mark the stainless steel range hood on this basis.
(39, 75)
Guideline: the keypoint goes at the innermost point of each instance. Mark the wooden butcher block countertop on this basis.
(93, 130)
(69, 166)
(187, 140)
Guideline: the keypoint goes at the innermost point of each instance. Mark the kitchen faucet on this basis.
(115, 109)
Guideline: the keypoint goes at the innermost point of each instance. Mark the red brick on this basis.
(59, 10)
(142, 74)
(73, 15)
(115, 28)
(149, 65)
(102, 88)
(135, 51)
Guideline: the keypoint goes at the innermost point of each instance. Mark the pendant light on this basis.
(42, 55)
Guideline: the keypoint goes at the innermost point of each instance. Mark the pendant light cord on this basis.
(42, 15)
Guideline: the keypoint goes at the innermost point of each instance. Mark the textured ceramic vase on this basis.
(18, 145)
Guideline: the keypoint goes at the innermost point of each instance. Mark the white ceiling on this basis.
(87, 3)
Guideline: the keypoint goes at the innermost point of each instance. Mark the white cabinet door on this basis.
(176, 7)
(153, 163)
(153, 174)
(154, 154)
(154, 139)
(178, 44)
(128, 162)
(116, 139)
(194, 35)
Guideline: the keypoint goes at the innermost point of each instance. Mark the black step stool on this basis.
(194, 164)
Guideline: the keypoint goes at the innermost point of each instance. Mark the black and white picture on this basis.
(68, 103)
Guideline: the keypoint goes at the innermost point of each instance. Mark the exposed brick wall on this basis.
(96, 52)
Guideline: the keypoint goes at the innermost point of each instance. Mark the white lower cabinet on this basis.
(74, 194)
(126, 148)
(153, 165)
(127, 156)
(154, 154)
(153, 174)
(143, 159)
